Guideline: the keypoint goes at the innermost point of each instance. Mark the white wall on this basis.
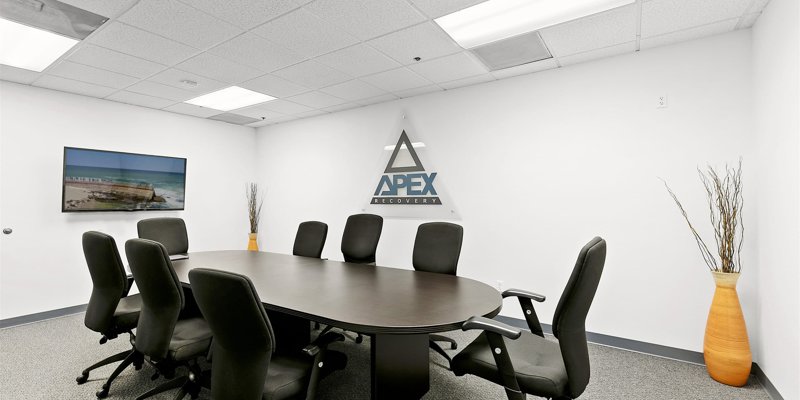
(42, 265)
(775, 54)
(537, 166)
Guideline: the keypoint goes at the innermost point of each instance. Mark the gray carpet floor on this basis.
(41, 361)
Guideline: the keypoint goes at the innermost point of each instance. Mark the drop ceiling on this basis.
(325, 56)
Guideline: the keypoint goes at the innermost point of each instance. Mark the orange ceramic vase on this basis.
(252, 245)
(726, 348)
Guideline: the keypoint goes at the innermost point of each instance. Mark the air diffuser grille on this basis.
(507, 53)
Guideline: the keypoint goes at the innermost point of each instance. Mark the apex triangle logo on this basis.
(405, 181)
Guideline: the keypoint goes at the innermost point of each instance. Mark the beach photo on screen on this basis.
(97, 180)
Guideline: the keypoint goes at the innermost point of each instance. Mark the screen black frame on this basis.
(64, 178)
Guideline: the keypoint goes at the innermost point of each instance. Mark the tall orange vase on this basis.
(252, 244)
(726, 348)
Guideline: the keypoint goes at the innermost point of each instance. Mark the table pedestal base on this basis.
(400, 366)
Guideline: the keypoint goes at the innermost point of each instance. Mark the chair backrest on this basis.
(243, 336)
(171, 232)
(162, 296)
(569, 320)
(310, 239)
(437, 247)
(360, 238)
(109, 281)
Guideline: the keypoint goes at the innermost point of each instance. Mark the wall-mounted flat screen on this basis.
(98, 180)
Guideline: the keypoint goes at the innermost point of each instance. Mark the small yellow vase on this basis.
(726, 348)
(252, 245)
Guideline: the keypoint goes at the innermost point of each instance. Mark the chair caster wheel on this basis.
(359, 339)
(102, 394)
(138, 367)
(453, 346)
(83, 378)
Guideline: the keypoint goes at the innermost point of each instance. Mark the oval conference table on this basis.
(397, 308)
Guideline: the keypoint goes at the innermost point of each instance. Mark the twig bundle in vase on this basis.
(254, 211)
(726, 348)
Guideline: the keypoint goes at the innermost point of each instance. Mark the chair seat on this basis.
(126, 315)
(191, 337)
(287, 377)
(537, 361)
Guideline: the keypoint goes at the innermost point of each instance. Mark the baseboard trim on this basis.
(30, 318)
(657, 350)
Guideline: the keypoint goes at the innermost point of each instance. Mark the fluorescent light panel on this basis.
(230, 98)
(495, 20)
(29, 48)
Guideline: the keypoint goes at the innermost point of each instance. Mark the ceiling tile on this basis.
(305, 34)
(110, 9)
(418, 91)
(689, 34)
(257, 52)
(216, 67)
(274, 86)
(258, 112)
(179, 22)
(438, 8)
(234, 118)
(244, 13)
(162, 91)
(378, 99)
(71, 86)
(191, 109)
(19, 75)
(85, 73)
(593, 32)
(426, 41)
(757, 6)
(358, 60)
(474, 80)
(341, 107)
(136, 42)
(528, 68)
(367, 19)
(748, 20)
(111, 60)
(271, 121)
(449, 68)
(285, 107)
(353, 90)
(664, 16)
(312, 74)
(309, 114)
(316, 100)
(597, 54)
(173, 77)
(396, 80)
(139, 99)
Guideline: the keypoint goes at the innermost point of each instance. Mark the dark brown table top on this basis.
(360, 298)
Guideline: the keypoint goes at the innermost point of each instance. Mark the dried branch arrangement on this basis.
(253, 206)
(724, 194)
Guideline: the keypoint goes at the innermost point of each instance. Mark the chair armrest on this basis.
(490, 325)
(128, 284)
(317, 349)
(525, 302)
(524, 294)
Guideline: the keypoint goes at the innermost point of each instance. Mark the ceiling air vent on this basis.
(517, 50)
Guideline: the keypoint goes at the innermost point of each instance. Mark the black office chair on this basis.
(360, 238)
(526, 362)
(166, 340)
(359, 245)
(437, 248)
(111, 311)
(245, 366)
(310, 239)
(171, 232)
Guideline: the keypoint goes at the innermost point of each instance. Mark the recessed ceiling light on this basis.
(30, 48)
(230, 98)
(500, 19)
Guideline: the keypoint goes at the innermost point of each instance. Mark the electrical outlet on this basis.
(500, 286)
(662, 101)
